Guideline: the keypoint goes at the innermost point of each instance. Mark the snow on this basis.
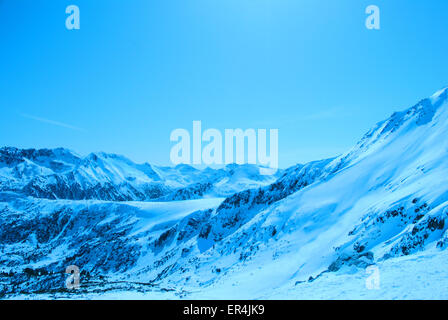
(152, 214)
(310, 235)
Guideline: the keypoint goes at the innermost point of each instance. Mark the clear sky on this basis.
(138, 69)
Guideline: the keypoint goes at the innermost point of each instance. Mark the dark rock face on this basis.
(411, 224)
(30, 233)
(195, 191)
(361, 261)
(66, 187)
(13, 156)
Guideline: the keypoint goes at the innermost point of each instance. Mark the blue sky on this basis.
(138, 69)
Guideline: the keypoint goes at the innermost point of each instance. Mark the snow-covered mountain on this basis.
(62, 174)
(310, 234)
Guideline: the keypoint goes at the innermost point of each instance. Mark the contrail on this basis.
(55, 123)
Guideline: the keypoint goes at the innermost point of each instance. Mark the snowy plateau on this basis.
(312, 231)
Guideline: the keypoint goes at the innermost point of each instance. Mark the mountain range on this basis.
(62, 174)
(314, 230)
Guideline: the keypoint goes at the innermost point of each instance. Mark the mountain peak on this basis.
(442, 94)
(11, 155)
(423, 112)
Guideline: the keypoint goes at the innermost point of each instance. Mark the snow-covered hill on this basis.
(62, 174)
(310, 234)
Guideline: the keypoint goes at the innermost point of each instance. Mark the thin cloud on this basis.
(52, 122)
(325, 114)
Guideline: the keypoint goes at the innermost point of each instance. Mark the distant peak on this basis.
(104, 155)
(186, 167)
(440, 95)
(424, 111)
(34, 153)
(13, 155)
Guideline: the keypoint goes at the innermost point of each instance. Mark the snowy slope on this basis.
(383, 203)
(40, 238)
(387, 197)
(384, 198)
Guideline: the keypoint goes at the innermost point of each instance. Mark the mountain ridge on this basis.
(62, 174)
